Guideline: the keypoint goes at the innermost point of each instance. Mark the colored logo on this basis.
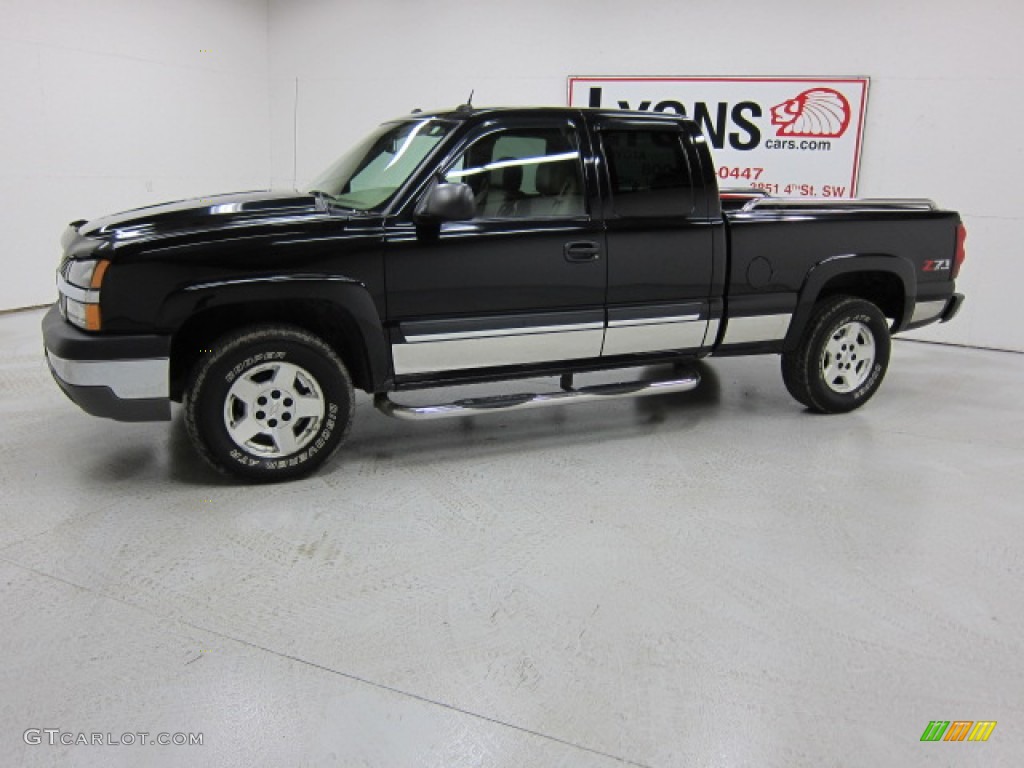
(958, 730)
(820, 112)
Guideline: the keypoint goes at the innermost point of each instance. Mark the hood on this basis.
(200, 213)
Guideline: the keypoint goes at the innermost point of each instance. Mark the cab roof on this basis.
(465, 112)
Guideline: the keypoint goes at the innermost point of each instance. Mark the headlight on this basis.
(75, 311)
(87, 274)
(79, 285)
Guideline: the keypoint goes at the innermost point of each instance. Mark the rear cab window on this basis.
(648, 172)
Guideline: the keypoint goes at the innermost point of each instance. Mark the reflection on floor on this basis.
(712, 578)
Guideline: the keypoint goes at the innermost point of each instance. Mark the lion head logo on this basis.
(819, 112)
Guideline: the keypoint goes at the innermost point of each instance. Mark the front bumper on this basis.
(125, 378)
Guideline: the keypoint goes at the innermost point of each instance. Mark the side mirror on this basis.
(451, 201)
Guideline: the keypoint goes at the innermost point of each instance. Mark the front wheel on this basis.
(268, 403)
(842, 358)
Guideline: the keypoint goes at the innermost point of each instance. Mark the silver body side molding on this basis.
(426, 338)
(451, 352)
(757, 328)
(625, 337)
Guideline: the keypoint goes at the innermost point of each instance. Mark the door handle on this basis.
(582, 251)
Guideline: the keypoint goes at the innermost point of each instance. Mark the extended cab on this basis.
(477, 245)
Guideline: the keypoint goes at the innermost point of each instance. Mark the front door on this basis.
(524, 282)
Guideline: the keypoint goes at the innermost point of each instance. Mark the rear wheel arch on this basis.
(888, 282)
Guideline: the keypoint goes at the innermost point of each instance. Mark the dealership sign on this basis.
(793, 137)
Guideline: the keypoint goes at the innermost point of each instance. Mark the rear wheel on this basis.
(269, 403)
(842, 358)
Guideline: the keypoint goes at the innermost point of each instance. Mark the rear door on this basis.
(659, 239)
(524, 282)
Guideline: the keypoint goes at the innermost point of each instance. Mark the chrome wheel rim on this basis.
(274, 409)
(848, 357)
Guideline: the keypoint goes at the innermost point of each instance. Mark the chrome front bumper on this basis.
(125, 378)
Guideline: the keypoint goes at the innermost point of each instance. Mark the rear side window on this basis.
(649, 173)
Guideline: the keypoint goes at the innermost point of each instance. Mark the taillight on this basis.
(961, 253)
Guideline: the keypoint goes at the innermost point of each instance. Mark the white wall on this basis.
(113, 104)
(943, 113)
(109, 104)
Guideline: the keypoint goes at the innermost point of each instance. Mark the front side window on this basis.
(649, 173)
(368, 176)
(523, 173)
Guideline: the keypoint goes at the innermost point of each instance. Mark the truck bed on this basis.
(776, 245)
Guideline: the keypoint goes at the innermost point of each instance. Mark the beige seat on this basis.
(558, 186)
(504, 197)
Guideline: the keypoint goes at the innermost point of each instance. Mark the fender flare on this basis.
(846, 264)
(350, 298)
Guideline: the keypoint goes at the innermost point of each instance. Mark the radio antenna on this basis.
(468, 106)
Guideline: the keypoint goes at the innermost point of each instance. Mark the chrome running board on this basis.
(521, 402)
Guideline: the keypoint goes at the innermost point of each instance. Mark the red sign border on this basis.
(863, 80)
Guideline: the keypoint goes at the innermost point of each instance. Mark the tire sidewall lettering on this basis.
(802, 366)
(235, 355)
(235, 364)
(327, 428)
(249, 362)
(821, 393)
(322, 439)
(871, 382)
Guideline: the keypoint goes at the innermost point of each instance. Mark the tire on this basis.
(842, 358)
(270, 403)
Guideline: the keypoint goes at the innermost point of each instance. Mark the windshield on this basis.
(369, 174)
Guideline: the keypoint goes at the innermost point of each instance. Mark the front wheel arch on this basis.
(362, 350)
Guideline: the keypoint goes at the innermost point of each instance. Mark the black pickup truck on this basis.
(478, 245)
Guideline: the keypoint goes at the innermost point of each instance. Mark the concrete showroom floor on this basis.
(717, 578)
